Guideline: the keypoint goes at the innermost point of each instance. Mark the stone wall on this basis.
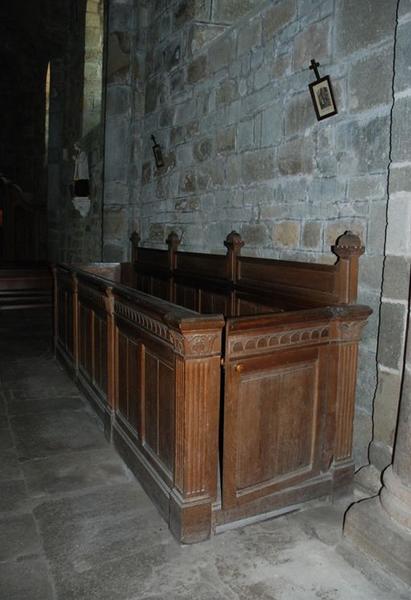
(230, 107)
(76, 117)
(223, 87)
(396, 272)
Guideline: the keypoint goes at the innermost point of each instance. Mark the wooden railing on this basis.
(152, 370)
(281, 430)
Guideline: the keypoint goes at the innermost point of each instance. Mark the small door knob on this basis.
(239, 368)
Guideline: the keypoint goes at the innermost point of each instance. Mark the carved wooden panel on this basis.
(159, 408)
(247, 307)
(100, 353)
(160, 288)
(272, 424)
(86, 339)
(186, 296)
(129, 390)
(214, 302)
(201, 265)
(65, 321)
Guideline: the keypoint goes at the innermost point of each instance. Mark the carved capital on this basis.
(233, 242)
(348, 245)
(202, 344)
(350, 330)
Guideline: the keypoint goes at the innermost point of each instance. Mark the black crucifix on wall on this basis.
(322, 94)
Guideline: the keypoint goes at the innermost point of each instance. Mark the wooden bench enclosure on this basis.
(226, 382)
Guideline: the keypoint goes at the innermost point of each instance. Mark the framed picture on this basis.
(158, 154)
(323, 98)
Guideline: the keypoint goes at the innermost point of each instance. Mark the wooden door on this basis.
(273, 407)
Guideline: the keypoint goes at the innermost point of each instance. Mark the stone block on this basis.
(156, 232)
(367, 377)
(363, 147)
(313, 41)
(396, 277)
(48, 434)
(262, 75)
(184, 154)
(233, 170)
(197, 70)
(227, 92)
(176, 135)
(371, 271)
(202, 34)
(399, 226)
(177, 80)
(226, 139)
(299, 115)
(296, 157)
(146, 173)
(401, 129)
(286, 234)
(362, 434)
(114, 252)
(402, 59)
(373, 531)
(152, 91)
(221, 53)
(19, 537)
(187, 205)
(255, 235)
(257, 166)
(118, 57)
(276, 18)
(185, 112)
(312, 234)
(335, 229)
(377, 221)
(188, 182)
(119, 17)
(367, 187)
(386, 407)
(271, 126)
(25, 579)
(366, 88)
(360, 24)
(118, 99)
(228, 11)
(249, 36)
(391, 335)
(245, 135)
(281, 65)
(202, 149)
(13, 497)
(184, 12)
(116, 222)
(400, 178)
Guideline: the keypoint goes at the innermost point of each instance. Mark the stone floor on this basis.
(75, 524)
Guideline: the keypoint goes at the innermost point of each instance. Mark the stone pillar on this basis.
(382, 525)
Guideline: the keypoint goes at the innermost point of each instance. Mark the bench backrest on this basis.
(236, 285)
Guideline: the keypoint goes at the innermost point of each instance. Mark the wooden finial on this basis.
(348, 245)
(135, 238)
(173, 241)
(233, 242)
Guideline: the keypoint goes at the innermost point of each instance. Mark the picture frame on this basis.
(323, 98)
(158, 154)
